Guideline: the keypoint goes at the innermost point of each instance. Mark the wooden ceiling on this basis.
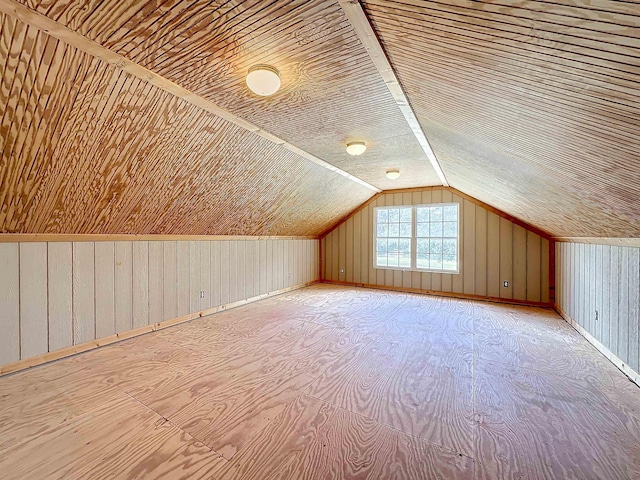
(139, 120)
(530, 106)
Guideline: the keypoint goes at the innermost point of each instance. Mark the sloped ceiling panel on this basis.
(331, 91)
(531, 107)
(87, 148)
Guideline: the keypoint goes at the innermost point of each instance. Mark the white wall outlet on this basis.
(201, 293)
(505, 283)
(342, 270)
(596, 315)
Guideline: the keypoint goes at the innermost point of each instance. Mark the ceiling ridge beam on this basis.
(360, 23)
(84, 44)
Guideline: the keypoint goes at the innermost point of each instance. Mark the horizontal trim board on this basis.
(624, 368)
(616, 241)
(84, 44)
(463, 296)
(55, 237)
(101, 342)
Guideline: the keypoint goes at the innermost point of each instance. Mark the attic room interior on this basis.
(323, 239)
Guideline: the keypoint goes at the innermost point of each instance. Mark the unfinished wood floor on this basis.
(330, 383)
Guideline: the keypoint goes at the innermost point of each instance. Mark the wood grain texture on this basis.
(503, 87)
(331, 382)
(138, 150)
(492, 250)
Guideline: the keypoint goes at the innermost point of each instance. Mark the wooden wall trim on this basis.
(464, 296)
(68, 36)
(624, 368)
(51, 237)
(526, 226)
(352, 213)
(101, 342)
(620, 242)
(512, 219)
(362, 27)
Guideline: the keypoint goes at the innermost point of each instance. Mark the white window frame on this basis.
(414, 239)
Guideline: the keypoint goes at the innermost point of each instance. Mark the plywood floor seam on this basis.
(331, 382)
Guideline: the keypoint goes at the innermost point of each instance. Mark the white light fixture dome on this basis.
(263, 80)
(356, 148)
(393, 174)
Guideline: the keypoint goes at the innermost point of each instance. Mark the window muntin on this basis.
(420, 237)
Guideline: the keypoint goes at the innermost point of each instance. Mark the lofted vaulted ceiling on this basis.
(133, 117)
(530, 106)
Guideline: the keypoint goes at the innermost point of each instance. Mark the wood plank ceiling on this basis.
(532, 107)
(89, 148)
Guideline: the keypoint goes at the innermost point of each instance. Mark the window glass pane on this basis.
(383, 230)
(381, 246)
(405, 230)
(405, 260)
(422, 261)
(449, 262)
(404, 245)
(422, 214)
(382, 215)
(393, 260)
(436, 214)
(451, 213)
(423, 246)
(435, 245)
(435, 261)
(450, 229)
(394, 215)
(405, 215)
(394, 230)
(423, 230)
(449, 246)
(435, 229)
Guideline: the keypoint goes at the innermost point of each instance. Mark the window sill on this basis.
(420, 270)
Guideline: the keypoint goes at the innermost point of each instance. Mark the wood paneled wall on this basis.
(492, 250)
(604, 279)
(55, 295)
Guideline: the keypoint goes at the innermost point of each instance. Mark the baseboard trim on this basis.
(118, 337)
(464, 296)
(624, 368)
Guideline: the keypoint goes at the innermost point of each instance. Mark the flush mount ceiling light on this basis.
(263, 80)
(393, 174)
(356, 148)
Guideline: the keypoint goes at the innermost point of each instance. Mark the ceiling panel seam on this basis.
(363, 29)
(82, 43)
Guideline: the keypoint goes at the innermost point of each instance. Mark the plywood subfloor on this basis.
(328, 383)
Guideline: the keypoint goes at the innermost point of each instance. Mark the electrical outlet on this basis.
(596, 315)
(289, 274)
(342, 270)
(201, 293)
(505, 283)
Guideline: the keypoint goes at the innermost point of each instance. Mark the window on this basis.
(421, 237)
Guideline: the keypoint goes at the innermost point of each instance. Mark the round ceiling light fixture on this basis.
(393, 174)
(356, 148)
(263, 80)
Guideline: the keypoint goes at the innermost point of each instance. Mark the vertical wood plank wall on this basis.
(55, 295)
(492, 250)
(606, 279)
